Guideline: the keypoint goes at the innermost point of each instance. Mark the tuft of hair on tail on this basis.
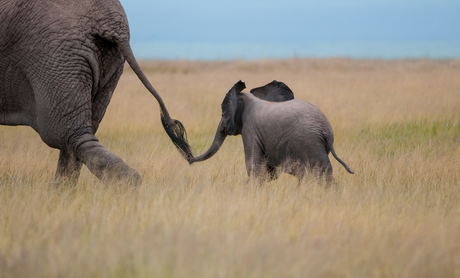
(178, 136)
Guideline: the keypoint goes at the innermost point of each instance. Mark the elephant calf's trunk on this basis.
(219, 139)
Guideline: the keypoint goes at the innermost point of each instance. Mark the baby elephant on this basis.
(284, 134)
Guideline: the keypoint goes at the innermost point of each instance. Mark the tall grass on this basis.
(396, 124)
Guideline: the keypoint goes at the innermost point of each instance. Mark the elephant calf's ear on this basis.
(273, 91)
(229, 106)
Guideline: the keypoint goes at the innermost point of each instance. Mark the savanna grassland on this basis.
(396, 124)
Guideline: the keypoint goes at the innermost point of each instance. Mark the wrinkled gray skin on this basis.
(60, 61)
(289, 135)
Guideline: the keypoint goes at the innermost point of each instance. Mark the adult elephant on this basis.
(60, 61)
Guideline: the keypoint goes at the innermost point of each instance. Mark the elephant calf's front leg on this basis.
(257, 166)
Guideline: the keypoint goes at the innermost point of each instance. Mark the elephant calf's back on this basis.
(296, 131)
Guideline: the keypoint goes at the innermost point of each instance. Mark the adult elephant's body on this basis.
(60, 61)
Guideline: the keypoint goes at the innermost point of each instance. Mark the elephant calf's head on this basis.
(232, 108)
(227, 125)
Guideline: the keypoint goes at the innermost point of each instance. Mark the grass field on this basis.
(396, 124)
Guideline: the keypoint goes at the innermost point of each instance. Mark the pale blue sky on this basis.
(288, 21)
(255, 20)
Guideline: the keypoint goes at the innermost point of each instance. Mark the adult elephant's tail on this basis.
(173, 128)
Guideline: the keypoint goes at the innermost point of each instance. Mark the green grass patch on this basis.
(392, 138)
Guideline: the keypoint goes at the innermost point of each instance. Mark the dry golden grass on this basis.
(396, 123)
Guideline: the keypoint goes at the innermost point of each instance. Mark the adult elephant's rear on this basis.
(60, 61)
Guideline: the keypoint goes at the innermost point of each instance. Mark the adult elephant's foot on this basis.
(68, 169)
(107, 166)
(120, 173)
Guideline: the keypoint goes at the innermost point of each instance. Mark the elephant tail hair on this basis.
(173, 128)
(178, 136)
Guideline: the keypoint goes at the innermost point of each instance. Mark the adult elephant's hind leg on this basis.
(105, 165)
(69, 167)
(72, 133)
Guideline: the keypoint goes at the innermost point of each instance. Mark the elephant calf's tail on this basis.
(330, 147)
(341, 161)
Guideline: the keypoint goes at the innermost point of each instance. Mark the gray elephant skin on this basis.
(284, 134)
(60, 61)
